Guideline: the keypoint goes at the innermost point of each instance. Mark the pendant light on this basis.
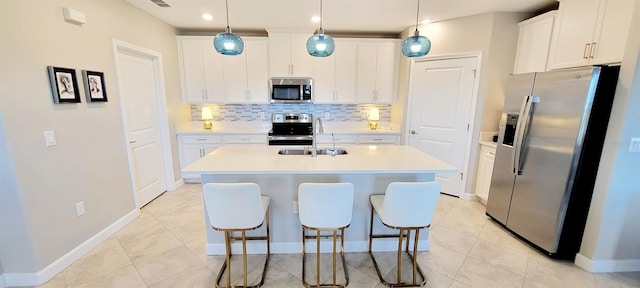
(228, 43)
(416, 45)
(320, 44)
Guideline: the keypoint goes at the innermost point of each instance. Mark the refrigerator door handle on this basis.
(516, 143)
(524, 132)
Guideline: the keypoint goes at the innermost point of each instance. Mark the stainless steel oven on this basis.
(291, 129)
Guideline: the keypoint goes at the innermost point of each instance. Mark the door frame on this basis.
(122, 47)
(465, 194)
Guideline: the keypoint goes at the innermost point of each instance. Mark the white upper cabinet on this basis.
(246, 75)
(201, 70)
(334, 77)
(589, 32)
(288, 55)
(210, 77)
(377, 71)
(534, 42)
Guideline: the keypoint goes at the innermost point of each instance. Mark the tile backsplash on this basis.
(252, 112)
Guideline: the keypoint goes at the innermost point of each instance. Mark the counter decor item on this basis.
(374, 117)
(94, 86)
(207, 116)
(64, 85)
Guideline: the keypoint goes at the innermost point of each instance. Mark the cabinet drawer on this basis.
(340, 139)
(195, 139)
(377, 139)
(245, 139)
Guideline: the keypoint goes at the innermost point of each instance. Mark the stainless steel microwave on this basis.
(290, 90)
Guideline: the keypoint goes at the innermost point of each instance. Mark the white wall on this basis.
(493, 34)
(612, 236)
(89, 162)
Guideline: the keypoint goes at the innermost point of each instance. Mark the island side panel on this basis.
(285, 225)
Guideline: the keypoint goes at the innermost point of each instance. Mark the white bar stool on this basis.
(405, 206)
(237, 207)
(325, 207)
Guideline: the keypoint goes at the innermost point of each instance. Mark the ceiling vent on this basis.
(160, 3)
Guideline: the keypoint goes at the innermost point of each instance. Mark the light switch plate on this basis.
(634, 145)
(49, 138)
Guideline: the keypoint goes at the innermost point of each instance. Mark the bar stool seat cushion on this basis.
(235, 205)
(325, 205)
(407, 204)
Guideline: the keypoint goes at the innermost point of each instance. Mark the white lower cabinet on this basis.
(245, 139)
(194, 147)
(485, 170)
(378, 139)
(358, 139)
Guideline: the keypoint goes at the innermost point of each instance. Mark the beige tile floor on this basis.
(164, 247)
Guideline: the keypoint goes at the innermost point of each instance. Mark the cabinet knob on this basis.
(413, 132)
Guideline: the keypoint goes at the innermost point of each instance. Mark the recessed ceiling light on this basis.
(315, 19)
(207, 16)
(426, 21)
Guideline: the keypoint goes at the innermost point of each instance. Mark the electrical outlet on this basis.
(80, 208)
(327, 115)
(295, 207)
(634, 145)
(261, 115)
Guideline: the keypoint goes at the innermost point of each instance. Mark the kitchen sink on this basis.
(326, 151)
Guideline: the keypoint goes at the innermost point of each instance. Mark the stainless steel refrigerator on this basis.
(550, 139)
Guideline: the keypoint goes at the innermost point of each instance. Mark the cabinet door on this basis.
(345, 71)
(485, 170)
(302, 62)
(534, 41)
(366, 79)
(257, 70)
(192, 71)
(573, 34)
(324, 78)
(213, 73)
(235, 77)
(385, 73)
(614, 22)
(280, 54)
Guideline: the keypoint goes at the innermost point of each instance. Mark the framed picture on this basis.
(64, 85)
(94, 86)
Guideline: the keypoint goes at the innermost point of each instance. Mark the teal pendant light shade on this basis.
(227, 43)
(320, 44)
(416, 45)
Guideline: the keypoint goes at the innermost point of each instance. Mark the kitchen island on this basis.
(369, 168)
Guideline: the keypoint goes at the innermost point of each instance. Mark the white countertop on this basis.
(264, 127)
(248, 159)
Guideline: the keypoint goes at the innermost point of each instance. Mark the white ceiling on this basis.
(363, 16)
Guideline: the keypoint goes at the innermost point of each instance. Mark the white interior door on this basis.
(440, 106)
(138, 87)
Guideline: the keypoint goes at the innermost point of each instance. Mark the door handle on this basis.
(132, 141)
(592, 52)
(515, 150)
(586, 52)
(413, 131)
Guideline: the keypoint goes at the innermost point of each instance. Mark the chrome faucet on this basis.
(314, 151)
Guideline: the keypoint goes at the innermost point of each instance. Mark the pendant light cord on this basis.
(227, 7)
(417, 15)
(321, 31)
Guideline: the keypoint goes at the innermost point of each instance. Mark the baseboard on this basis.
(607, 266)
(176, 185)
(44, 275)
(469, 197)
(3, 282)
(254, 247)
